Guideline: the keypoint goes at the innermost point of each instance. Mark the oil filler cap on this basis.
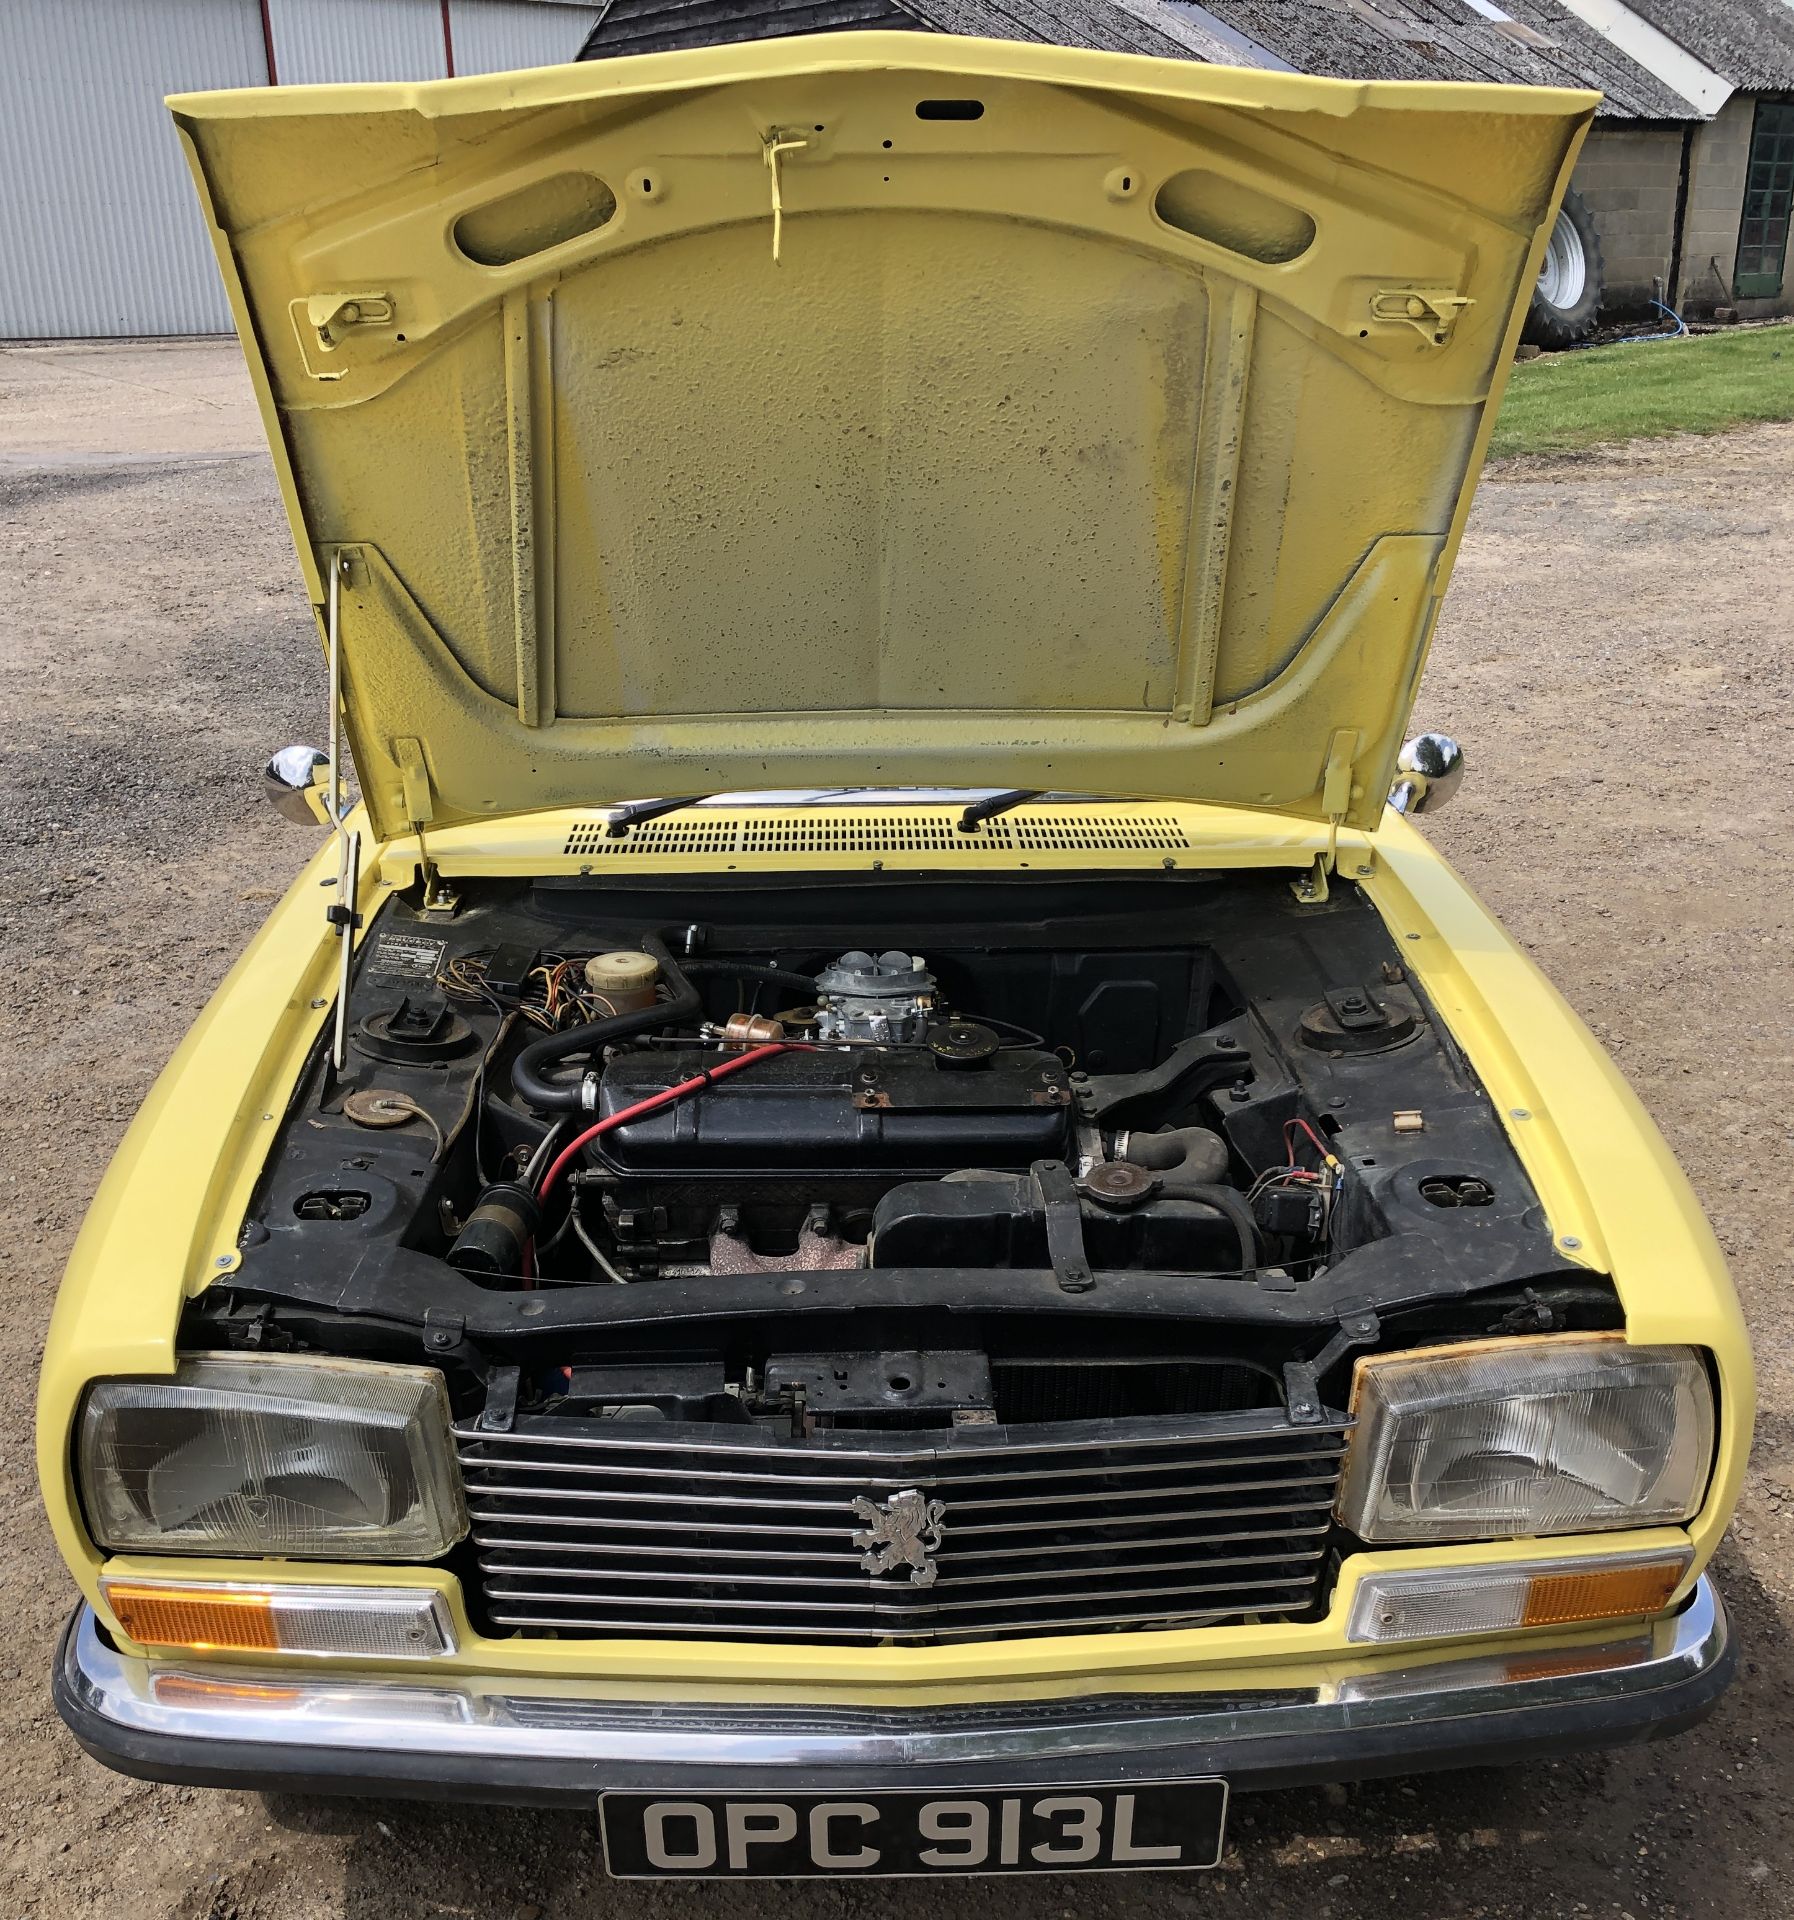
(962, 1043)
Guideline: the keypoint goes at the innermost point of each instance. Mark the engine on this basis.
(1189, 1083)
(881, 1125)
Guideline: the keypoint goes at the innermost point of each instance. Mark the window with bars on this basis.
(1768, 202)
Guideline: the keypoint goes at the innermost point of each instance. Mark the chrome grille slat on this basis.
(1088, 1499)
(634, 1522)
(861, 1482)
(489, 1542)
(1062, 1522)
(734, 1502)
(1183, 1516)
(1049, 1529)
(915, 1636)
(900, 1607)
(779, 1457)
(730, 1500)
(865, 1583)
(700, 1557)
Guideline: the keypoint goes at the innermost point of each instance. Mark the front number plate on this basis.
(913, 1831)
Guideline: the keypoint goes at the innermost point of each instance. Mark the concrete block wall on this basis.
(1715, 205)
(1630, 176)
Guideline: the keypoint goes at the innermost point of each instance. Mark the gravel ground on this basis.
(1617, 655)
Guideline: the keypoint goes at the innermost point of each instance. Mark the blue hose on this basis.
(1633, 339)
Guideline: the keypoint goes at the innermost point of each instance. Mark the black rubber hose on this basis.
(1224, 1200)
(1174, 1149)
(530, 1076)
(750, 970)
(1170, 1152)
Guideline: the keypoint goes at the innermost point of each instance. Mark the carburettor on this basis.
(884, 997)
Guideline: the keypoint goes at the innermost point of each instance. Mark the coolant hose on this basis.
(1198, 1153)
(1224, 1201)
(531, 1077)
(1190, 1162)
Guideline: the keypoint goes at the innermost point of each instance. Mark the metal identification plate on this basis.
(404, 956)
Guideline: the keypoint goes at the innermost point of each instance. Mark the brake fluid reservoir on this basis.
(626, 981)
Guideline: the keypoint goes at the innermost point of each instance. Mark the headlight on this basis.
(1522, 1437)
(326, 1459)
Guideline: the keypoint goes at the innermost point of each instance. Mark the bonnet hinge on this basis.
(1336, 803)
(420, 808)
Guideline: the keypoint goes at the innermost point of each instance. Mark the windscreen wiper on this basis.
(993, 804)
(633, 812)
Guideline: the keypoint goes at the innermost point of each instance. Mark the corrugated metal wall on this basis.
(491, 35)
(98, 225)
(320, 40)
(99, 229)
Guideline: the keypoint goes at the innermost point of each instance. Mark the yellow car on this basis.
(1012, 1252)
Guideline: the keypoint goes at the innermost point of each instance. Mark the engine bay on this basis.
(892, 1154)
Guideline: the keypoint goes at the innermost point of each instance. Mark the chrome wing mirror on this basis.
(1428, 770)
(294, 782)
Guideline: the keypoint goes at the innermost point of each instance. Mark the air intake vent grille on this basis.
(1045, 830)
(717, 1532)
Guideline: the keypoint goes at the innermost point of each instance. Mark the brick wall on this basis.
(1629, 176)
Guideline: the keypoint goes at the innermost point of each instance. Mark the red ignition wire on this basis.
(655, 1101)
(1320, 1145)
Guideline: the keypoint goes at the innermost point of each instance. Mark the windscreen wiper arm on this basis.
(633, 812)
(993, 804)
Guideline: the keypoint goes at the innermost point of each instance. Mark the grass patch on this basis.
(1646, 389)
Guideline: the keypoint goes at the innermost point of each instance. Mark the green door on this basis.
(1768, 199)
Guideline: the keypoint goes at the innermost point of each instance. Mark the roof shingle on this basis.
(1530, 43)
(1450, 40)
(1748, 42)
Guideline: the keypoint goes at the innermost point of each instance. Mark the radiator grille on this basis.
(630, 1529)
(882, 830)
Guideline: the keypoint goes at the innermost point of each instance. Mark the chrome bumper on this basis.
(510, 1740)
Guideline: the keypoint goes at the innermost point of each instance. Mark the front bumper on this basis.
(522, 1742)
